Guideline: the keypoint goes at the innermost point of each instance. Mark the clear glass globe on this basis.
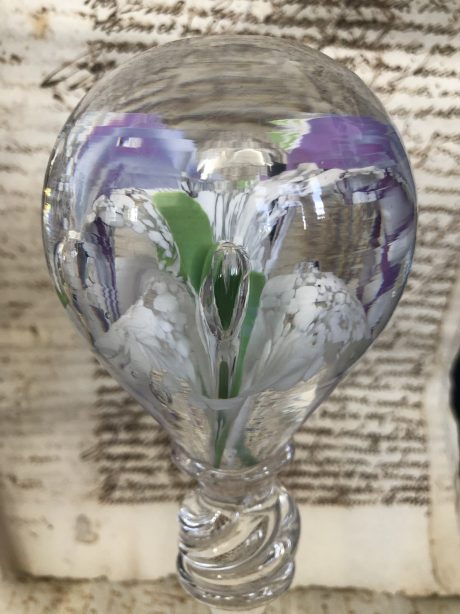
(230, 222)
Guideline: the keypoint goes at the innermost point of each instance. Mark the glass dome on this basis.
(230, 222)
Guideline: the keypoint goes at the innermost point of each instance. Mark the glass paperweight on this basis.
(230, 221)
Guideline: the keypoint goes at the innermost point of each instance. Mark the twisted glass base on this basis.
(238, 535)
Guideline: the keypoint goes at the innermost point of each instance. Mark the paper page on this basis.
(87, 488)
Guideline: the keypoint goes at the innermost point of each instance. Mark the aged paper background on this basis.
(87, 488)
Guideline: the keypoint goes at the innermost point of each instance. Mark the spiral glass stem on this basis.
(238, 535)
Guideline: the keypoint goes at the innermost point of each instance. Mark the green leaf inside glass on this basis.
(192, 234)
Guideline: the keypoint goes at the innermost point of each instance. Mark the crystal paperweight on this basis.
(230, 221)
